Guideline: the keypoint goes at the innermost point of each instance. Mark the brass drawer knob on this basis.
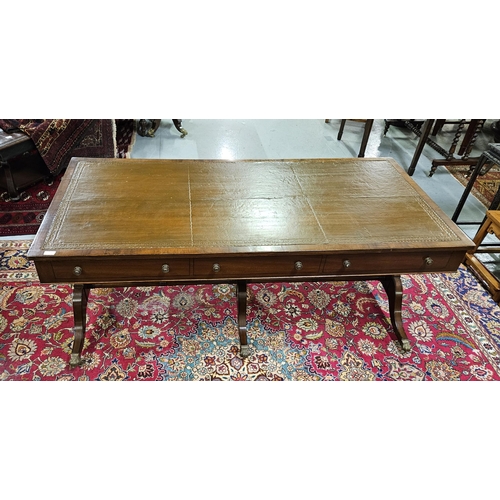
(216, 268)
(165, 268)
(77, 271)
(346, 263)
(298, 265)
(428, 261)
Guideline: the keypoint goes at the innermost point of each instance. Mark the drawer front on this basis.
(88, 270)
(388, 262)
(247, 267)
(95, 270)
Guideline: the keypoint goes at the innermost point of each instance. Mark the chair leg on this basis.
(364, 141)
(420, 146)
(387, 124)
(468, 188)
(341, 129)
(438, 125)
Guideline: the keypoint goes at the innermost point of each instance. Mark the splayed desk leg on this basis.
(241, 292)
(80, 297)
(394, 290)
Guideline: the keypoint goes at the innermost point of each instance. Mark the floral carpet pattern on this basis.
(297, 331)
(485, 186)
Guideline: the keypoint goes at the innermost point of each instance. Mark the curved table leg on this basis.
(394, 290)
(241, 292)
(80, 297)
(178, 126)
(154, 127)
(147, 129)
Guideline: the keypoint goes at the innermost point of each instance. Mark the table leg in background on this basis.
(178, 126)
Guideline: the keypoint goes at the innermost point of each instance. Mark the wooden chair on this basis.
(490, 279)
(488, 158)
(366, 133)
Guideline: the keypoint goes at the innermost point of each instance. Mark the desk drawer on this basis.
(247, 267)
(404, 262)
(96, 270)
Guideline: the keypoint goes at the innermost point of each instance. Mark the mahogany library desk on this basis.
(125, 222)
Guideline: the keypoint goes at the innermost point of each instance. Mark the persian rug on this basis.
(25, 216)
(309, 331)
(58, 140)
(485, 186)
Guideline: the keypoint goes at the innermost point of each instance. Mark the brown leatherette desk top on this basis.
(118, 221)
(199, 207)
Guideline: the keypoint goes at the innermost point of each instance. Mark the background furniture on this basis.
(20, 164)
(491, 225)
(423, 131)
(57, 140)
(148, 128)
(496, 131)
(366, 133)
(401, 123)
(491, 156)
(53, 142)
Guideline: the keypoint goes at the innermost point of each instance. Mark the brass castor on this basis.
(245, 351)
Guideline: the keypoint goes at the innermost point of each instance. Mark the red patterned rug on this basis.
(24, 217)
(297, 331)
(58, 140)
(485, 186)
